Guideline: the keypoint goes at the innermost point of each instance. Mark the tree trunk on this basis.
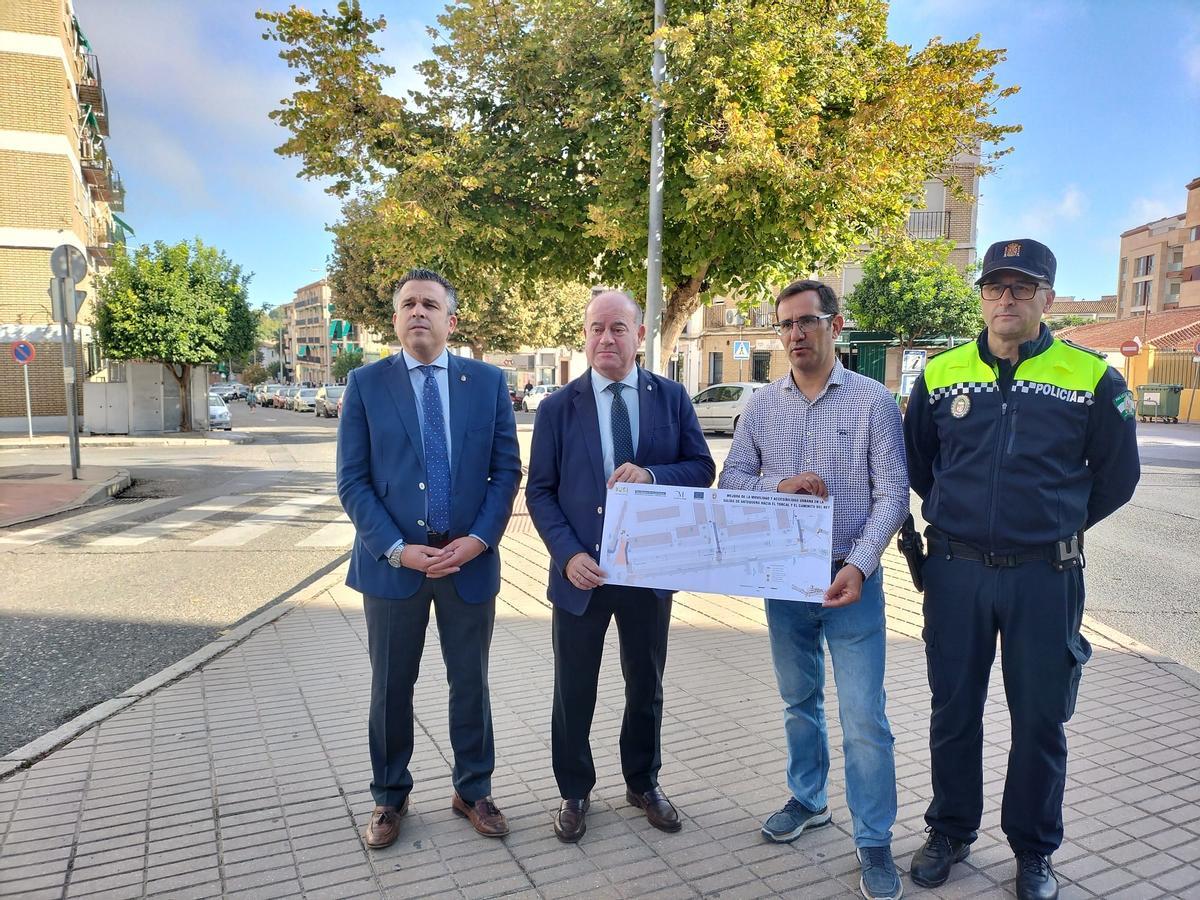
(682, 302)
(185, 395)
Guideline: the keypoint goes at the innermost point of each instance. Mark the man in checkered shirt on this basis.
(825, 431)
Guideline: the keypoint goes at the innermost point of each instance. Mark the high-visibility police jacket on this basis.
(1008, 456)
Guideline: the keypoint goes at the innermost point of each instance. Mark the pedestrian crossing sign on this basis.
(741, 349)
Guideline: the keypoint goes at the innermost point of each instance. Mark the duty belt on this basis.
(1061, 554)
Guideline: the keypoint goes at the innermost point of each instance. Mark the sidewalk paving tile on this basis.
(248, 777)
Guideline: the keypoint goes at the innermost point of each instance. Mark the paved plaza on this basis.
(248, 777)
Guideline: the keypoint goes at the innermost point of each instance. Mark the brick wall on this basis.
(35, 94)
(35, 190)
(32, 16)
(46, 392)
(24, 278)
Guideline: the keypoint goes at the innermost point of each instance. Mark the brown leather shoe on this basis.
(659, 811)
(384, 826)
(571, 821)
(484, 815)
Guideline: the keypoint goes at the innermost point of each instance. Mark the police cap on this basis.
(1024, 255)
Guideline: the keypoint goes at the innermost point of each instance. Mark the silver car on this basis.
(218, 414)
(304, 400)
(719, 407)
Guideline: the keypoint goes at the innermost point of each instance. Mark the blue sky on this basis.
(1109, 101)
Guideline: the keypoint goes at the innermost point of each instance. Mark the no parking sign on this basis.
(23, 352)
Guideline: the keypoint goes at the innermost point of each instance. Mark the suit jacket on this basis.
(566, 488)
(381, 472)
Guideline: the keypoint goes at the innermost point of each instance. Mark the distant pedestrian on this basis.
(251, 399)
(1017, 442)
(528, 386)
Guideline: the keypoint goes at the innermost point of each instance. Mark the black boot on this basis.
(1035, 877)
(931, 864)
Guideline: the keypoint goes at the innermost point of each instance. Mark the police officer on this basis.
(1017, 443)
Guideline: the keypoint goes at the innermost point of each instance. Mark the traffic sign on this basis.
(741, 349)
(1131, 348)
(913, 361)
(68, 261)
(1197, 348)
(23, 352)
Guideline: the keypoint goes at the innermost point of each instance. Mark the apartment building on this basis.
(707, 348)
(315, 337)
(1149, 273)
(1189, 272)
(57, 186)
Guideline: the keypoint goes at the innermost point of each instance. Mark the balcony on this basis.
(117, 203)
(100, 243)
(1174, 270)
(928, 224)
(98, 171)
(91, 92)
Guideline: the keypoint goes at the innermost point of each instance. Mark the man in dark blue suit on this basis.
(616, 422)
(428, 468)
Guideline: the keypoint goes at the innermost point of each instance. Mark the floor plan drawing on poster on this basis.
(721, 542)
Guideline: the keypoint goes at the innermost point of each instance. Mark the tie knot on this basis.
(428, 371)
(615, 388)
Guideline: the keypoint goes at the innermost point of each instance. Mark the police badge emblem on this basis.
(960, 406)
(1013, 249)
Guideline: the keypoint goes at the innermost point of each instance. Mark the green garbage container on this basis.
(1159, 402)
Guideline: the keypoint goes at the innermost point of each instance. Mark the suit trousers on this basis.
(1036, 612)
(643, 622)
(395, 641)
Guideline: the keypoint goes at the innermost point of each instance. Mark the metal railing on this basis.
(928, 224)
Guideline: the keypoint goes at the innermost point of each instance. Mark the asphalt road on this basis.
(225, 531)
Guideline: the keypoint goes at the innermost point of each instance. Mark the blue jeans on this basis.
(857, 643)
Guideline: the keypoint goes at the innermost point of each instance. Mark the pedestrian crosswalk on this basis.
(244, 520)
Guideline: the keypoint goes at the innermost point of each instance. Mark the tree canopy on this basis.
(795, 131)
(345, 363)
(181, 305)
(909, 289)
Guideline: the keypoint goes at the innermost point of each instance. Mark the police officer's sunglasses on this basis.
(1020, 290)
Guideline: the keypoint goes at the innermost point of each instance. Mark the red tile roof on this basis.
(1175, 329)
(1067, 306)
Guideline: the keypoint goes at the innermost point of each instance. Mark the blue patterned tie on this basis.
(437, 460)
(622, 436)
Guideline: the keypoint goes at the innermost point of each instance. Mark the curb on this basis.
(109, 488)
(309, 589)
(1149, 654)
(86, 441)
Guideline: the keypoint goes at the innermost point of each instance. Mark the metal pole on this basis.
(68, 348)
(1191, 398)
(28, 407)
(654, 241)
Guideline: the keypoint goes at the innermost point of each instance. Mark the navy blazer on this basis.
(566, 487)
(381, 472)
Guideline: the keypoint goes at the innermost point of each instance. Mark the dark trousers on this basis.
(643, 621)
(395, 641)
(1037, 613)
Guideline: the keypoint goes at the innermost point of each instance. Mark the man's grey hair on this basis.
(428, 275)
(633, 304)
(827, 299)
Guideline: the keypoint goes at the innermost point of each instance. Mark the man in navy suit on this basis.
(616, 422)
(427, 470)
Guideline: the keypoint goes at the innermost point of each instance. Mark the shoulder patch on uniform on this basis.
(1095, 353)
(1125, 405)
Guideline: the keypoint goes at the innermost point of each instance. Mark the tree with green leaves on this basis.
(909, 288)
(1070, 321)
(181, 305)
(795, 131)
(254, 375)
(345, 363)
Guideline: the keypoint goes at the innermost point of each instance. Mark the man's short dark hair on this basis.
(827, 299)
(429, 275)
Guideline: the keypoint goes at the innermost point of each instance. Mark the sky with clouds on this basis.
(1109, 103)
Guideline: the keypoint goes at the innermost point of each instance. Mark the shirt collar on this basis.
(836, 376)
(1039, 344)
(442, 362)
(600, 383)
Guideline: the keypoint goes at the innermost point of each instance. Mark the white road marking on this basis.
(338, 533)
(260, 523)
(176, 521)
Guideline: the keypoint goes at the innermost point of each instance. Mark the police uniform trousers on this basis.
(395, 642)
(643, 622)
(1036, 611)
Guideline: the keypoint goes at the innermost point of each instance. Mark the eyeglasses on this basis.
(804, 323)
(1020, 290)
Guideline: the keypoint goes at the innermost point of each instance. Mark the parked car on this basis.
(304, 399)
(516, 397)
(534, 398)
(267, 392)
(719, 407)
(218, 413)
(328, 401)
(289, 397)
(339, 404)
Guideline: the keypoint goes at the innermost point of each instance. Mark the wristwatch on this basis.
(394, 557)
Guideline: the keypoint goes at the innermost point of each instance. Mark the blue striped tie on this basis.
(437, 460)
(622, 435)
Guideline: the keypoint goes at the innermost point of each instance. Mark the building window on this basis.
(716, 368)
(1141, 293)
(1194, 233)
(1124, 266)
(1145, 266)
(761, 366)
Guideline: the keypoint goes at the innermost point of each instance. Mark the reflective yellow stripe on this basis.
(1064, 366)
(958, 366)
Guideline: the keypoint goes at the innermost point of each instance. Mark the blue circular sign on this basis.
(23, 352)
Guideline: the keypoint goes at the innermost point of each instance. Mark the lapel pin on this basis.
(462, 377)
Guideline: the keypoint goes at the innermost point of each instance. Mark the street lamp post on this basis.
(654, 241)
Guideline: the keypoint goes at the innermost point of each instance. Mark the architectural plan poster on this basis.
(719, 542)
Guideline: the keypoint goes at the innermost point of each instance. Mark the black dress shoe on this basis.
(571, 821)
(1035, 877)
(659, 811)
(931, 864)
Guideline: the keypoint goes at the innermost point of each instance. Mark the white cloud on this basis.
(1042, 219)
(161, 163)
(1147, 209)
